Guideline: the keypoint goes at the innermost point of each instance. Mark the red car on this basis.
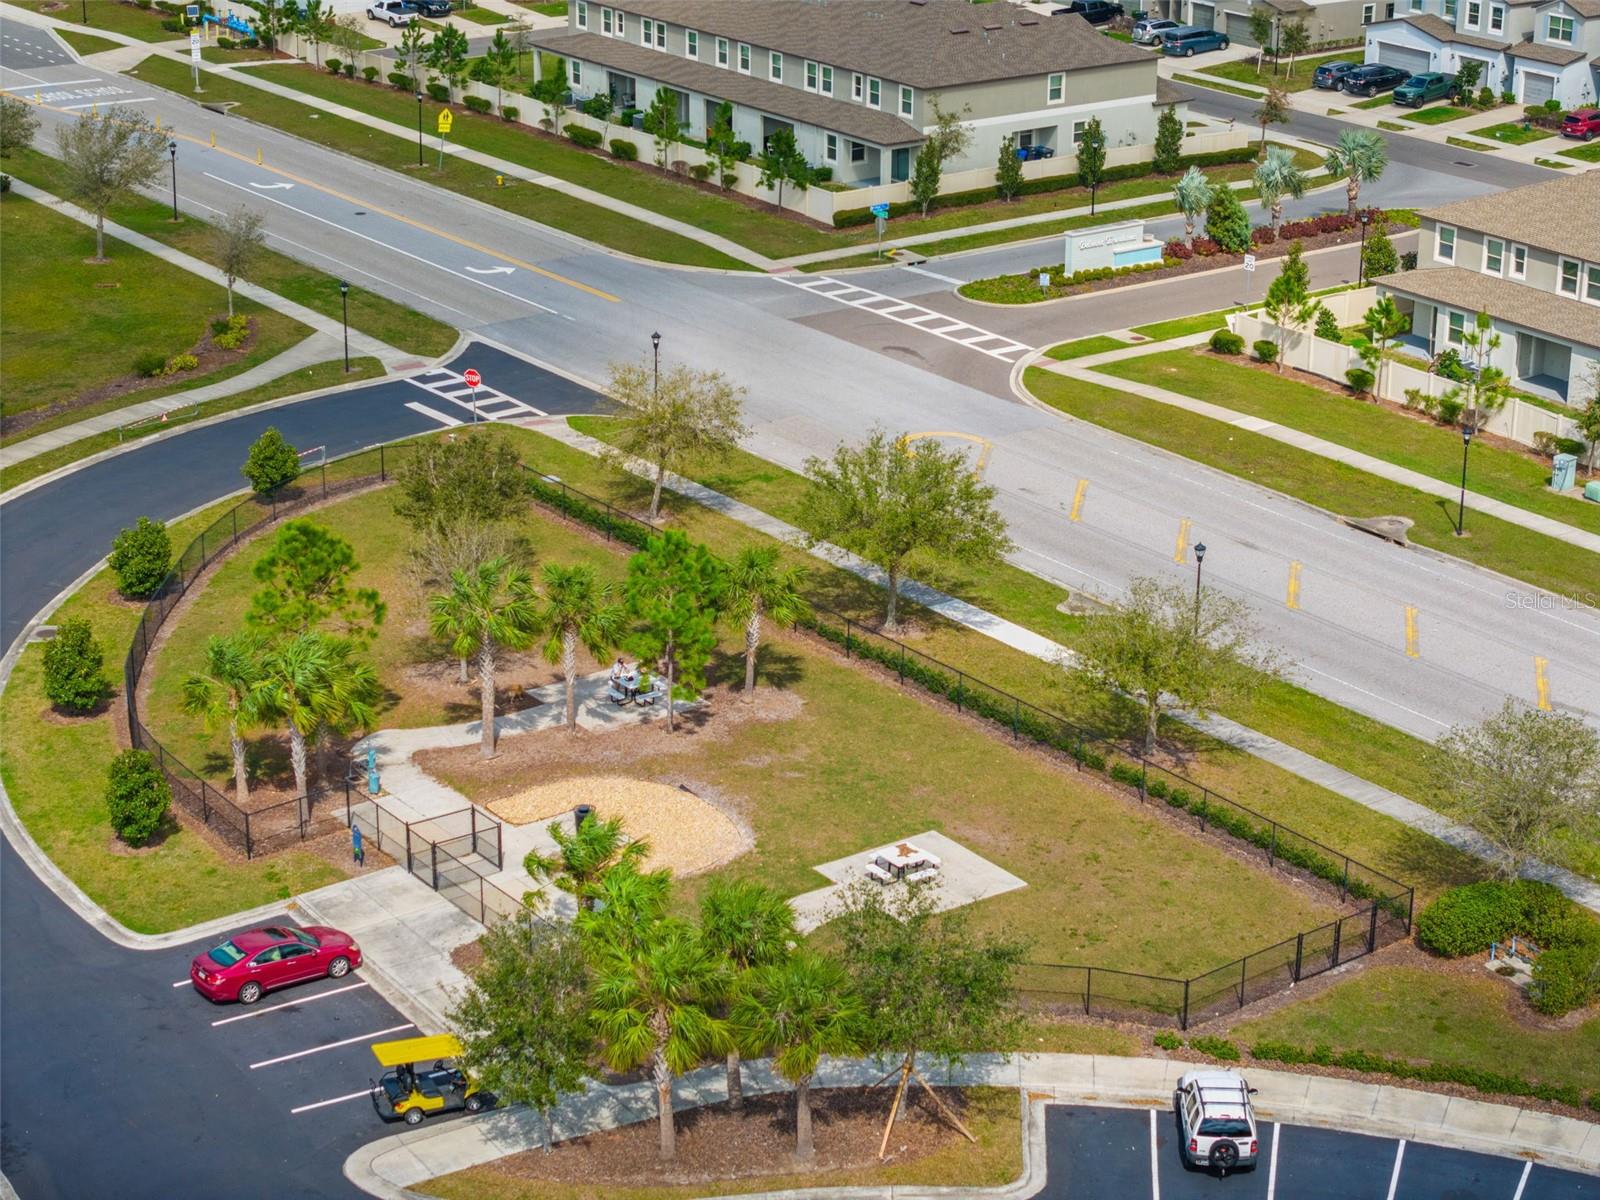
(275, 956)
(1584, 124)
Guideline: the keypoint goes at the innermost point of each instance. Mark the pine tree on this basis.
(1169, 143)
(1227, 223)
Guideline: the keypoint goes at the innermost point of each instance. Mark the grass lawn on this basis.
(558, 8)
(1495, 544)
(1244, 71)
(1431, 1016)
(55, 310)
(1430, 449)
(1585, 153)
(128, 19)
(481, 16)
(993, 1115)
(1098, 344)
(1553, 164)
(308, 379)
(372, 314)
(86, 43)
(1378, 101)
(1202, 81)
(54, 772)
(1393, 126)
(577, 217)
(238, 54)
(1438, 114)
(1464, 144)
(1513, 134)
(1162, 331)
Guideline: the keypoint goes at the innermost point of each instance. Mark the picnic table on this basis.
(902, 861)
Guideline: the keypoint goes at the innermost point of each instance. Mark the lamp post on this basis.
(655, 345)
(85, 12)
(1466, 442)
(344, 299)
(172, 152)
(1199, 561)
(419, 129)
(1361, 274)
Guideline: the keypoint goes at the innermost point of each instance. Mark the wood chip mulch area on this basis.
(714, 1143)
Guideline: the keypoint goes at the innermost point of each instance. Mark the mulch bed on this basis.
(715, 1143)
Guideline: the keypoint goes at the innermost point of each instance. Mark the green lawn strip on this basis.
(1439, 114)
(993, 1161)
(54, 771)
(1431, 1016)
(238, 54)
(1427, 448)
(481, 16)
(378, 316)
(1244, 71)
(1553, 164)
(1589, 153)
(1377, 101)
(1161, 331)
(1495, 544)
(66, 336)
(1098, 344)
(308, 379)
(574, 216)
(134, 22)
(558, 8)
(86, 43)
(1465, 144)
(1393, 126)
(1513, 134)
(1202, 81)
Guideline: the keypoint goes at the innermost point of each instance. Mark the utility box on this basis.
(1565, 474)
(1591, 491)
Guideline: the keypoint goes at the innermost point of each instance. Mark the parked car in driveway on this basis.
(1096, 12)
(1372, 79)
(1419, 89)
(1191, 40)
(250, 964)
(1582, 124)
(394, 13)
(1148, 31)
(1216, 1123)
(1328, 76)
(434, 8)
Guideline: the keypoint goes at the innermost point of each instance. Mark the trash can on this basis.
(1565, 474)
(582, 814)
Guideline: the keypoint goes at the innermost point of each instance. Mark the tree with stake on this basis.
(1289, 304)
(447, 57)
(1260, 23)
(724, 146)
(235, 240)
(140, 556)
(926, 176)
(948, 138)
(345, 30)
(308, 683)
(799, 1010)
(521, 38)
(411, 50)
(578, 611)
(1486, 387)
(1169, 142)
(1277, 177)
(1008, 169)
(1360, 155)
(750, 926)
(760, 586)
(485, 610)
(224, 693)
(1385, 322)
(661, 123)
(1192, 194)
(272, 463)
(499, 63)
(18, 125)
(1274, 110)
(104, 158)
(1092, 159)
(306, 575)
(675, 588)
(689, 415)
(585, 857)
(523, 1019)
(1296, 40)
(781, 162)
(1466, 81)
(314, 25)
(1166, 646)
(885, 500)
(271, 19)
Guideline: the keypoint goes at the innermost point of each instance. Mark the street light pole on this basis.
(1199, 559)
(172, 151)
(419, 129)
(1361, 274)
(344, 298)
(1466, 442)
(655, 345)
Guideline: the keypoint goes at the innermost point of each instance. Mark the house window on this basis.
(1497, 19)
(830, 147)
(652, 33)
(1079, 128)
(722, 52)
(744, 59)
(905, 101)
(1519, 262)
(1559, 29)
(1569, 277)
(858, 152)
(1474, 13)
(1444, 246)
(607, 27)
(1368, 11)
(691, 43)
(622, 25)
(775, 67)
(827, 81)
(874, 93)
(1592, 289)
(857, 87)
(811, 76)
(1416, 5)
(1450, 11)
(576, 72)
(1388, 11)
(661, 35)
(1055, 88)
(1494, 256)
(1457, 335)
(583, 15)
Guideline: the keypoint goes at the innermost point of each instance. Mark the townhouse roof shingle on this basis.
(929, 45)
(1516, 303)
(1547, 215)
(1540, 52)
(1584, 8)
(1168, 92)
(1441, 30)
(795, 104)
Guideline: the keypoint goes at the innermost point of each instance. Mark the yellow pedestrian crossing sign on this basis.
(445, 118)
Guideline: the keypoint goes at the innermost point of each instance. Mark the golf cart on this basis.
(411, 1090)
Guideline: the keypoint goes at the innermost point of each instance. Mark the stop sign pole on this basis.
(473, 380)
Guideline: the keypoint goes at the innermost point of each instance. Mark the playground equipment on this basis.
(229, 22)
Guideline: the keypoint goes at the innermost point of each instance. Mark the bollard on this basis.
(258, 156)
(158, 124)
(213, 139)
(37, 99)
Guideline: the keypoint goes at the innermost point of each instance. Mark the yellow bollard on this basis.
(37, 99)
(94, 109)
(1541, 682)
(213, 139)
(158, 124)
(258, 156)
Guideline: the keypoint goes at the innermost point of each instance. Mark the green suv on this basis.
(1419, 89)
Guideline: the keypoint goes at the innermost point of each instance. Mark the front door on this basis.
(900, 165)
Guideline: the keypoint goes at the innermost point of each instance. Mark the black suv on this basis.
(433, 8)
(1372, 79)
(1096, 12)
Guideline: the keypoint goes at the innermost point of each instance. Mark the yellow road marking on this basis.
(1077, 500)
(1541, 682)
(984, 444)
(1293, 598)
(1181, 550)
(1411, 632)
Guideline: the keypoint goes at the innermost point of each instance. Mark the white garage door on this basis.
(1404, 57)
(1537, 88)
(1204, 15)
(1485, 70)
(1238, 28)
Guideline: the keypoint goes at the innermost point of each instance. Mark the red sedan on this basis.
(275, 956)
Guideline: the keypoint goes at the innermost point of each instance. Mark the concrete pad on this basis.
(1476, 1118)
(1543, 1129)
(1073, 1073)
(1424, 1110)
(1132, 1076)
(1280, 1090)
(1589, 1154)
(1342, 1097)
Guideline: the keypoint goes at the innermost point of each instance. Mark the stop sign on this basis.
(472, 377)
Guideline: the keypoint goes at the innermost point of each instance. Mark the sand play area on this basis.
(685, 833)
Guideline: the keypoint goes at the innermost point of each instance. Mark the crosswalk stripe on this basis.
(432, 414)
(925, 320)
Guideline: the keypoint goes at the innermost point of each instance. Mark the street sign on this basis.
(192, 11)
(194, 46)
(881, 211)
(445, 119)
(1249, 262)
(472, 377)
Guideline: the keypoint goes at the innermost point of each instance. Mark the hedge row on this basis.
(576, 507)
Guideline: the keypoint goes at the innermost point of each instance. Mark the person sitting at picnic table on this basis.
(618, 670)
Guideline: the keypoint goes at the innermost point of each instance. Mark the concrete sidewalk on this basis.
(391, 1165)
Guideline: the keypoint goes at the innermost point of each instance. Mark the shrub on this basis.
(74, 668)
(137, 796)
(1224, 341)
(1175, 249)
(1447, 364)
(1432, 1072)
(149, 364)
(1565, 979)
(225, 43)
(1263, 235)
(1359, 379)
(1266, 351)
(403, 81)
(333, 65)
(1328, 324)
(510, 112)
(180, 362)
(478, 104)
(1216, 1047)
(1167, 1040)
(234, 333)
(1448, 409)
(701, 171)
(172, 25)
(439, 93)
(624, 149)
(369, 73)
(583, 136)
(1508, 97)
(1205, 247)
(140, 555)
(597, 106)
(729, 178)
(1485, 97)
(821, 174)
(1408, 261)
(1228, 223)
(272, 462)
(1465, 920)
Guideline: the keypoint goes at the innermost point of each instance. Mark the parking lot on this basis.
(1134, 1155)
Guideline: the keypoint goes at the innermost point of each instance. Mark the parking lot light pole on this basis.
(655, 345)
(172, 151)
(344, 298)
(419, 129)
(1199, 560)
(1466, 442)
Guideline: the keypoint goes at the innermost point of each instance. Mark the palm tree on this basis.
(652, 1004)
(750, 926)
(626, 905)
(1192, 194)
(578, 610)
(584, 858)
(309, 682)
(1360, 155)
(759, 586)
(1277, 177)
(801, 1009)
(485, 609)
(223, 692)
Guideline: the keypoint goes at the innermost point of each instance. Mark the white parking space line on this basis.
(1155, 1161)
(1523, 1182)
(184, 983)
(432, 414)
(1399, 1157)
(924, 320)
(283, 1058)
(325, 1103)
(107, 103)
(261, 1012)
(55, 83)
(1272, 1163)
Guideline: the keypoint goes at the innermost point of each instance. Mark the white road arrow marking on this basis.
(491, 270)
(268, 187)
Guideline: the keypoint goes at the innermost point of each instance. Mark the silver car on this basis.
(1147, 32)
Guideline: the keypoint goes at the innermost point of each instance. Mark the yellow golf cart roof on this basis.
(415, 1050)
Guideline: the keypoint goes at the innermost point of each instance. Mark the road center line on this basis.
(1272, 1164)
(325, 1103)
(1523, 1182)
(261, 1012)
(1155, 1161)
(1399, 1157)
(330, 1046)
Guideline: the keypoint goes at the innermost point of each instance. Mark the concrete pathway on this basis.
(389, 1166)
(1296, 762)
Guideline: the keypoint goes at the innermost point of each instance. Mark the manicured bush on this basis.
(74, 668)
(225, 43)
(1565, 979)
(1485, 97)
(583, 136)
(624, 149)
(272, 463)
(137, 796)
(1227, 223)
(1167, 1040)
(1465, 920)
(439, 93)
(180, 362)
(510, 112)
(478, 104)
(701, 171)
(1448, 409)
(1508, 97)
(1359, 379)
(1361, 1060)
(149, 364)
(597, 106)
(404, 82)
(1263, 235)
(1216, 1047)
(333, 65)
(140, 555)
(234, 333)
(1266, 351)
(1224, 341)
(369, 73)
